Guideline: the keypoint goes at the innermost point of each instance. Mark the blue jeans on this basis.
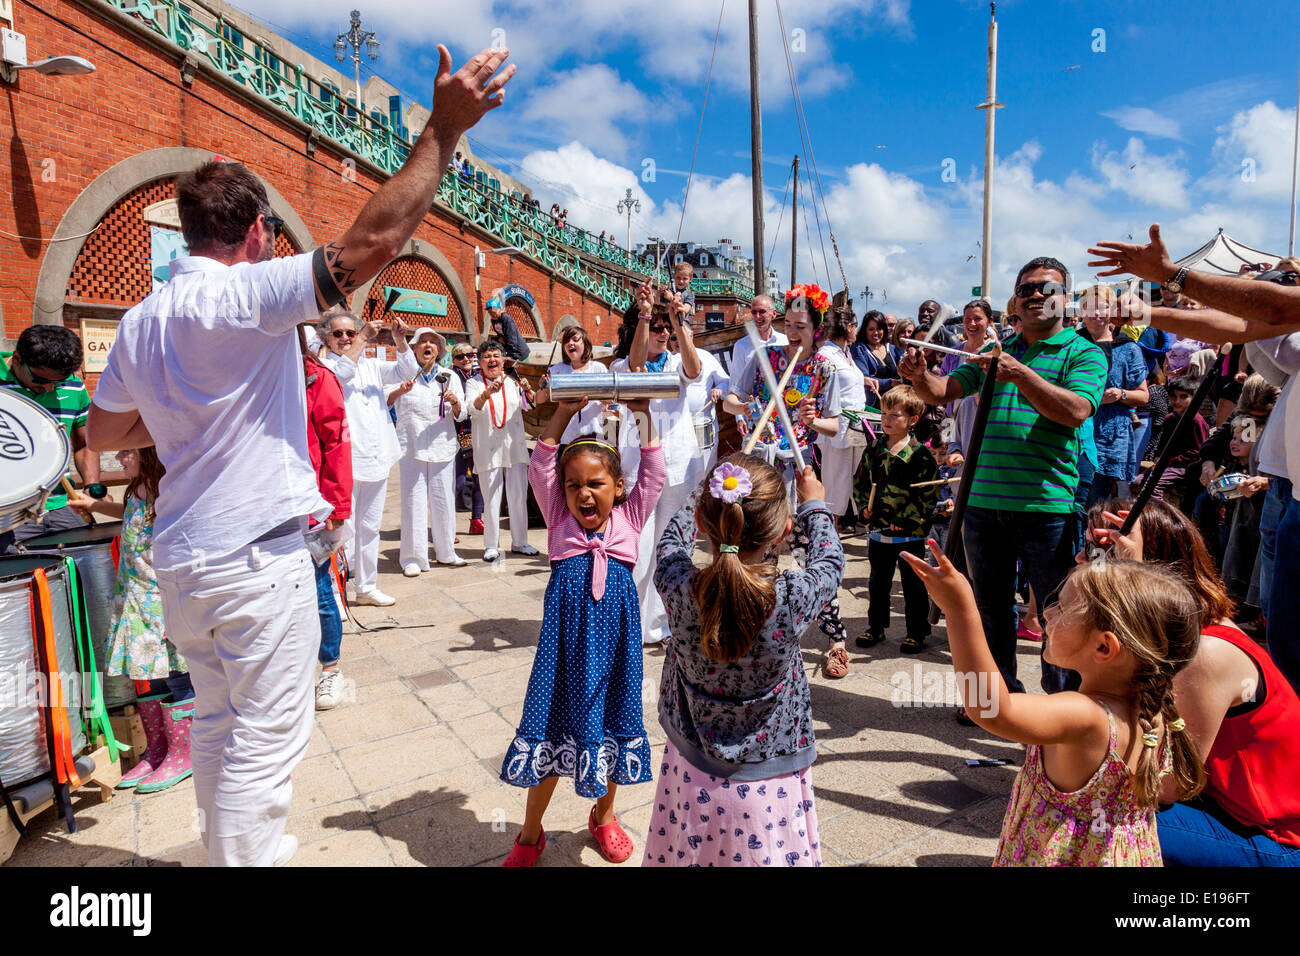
(1202, 833)
(1045, 546)
(1275, 499)
(331, 624)
(1284, 596)
(177, 683)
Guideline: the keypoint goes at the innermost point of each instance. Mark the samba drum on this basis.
(25, 723)
(35, 454)
(1227, 487)
(92, 550)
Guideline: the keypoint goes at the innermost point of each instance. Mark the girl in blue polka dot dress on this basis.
(582, 714)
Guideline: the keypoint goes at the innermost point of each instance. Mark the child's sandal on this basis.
(526, 855)
(615, 845)
(912, 645)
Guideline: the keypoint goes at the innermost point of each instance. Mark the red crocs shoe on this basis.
(526, 855)
(615, 845)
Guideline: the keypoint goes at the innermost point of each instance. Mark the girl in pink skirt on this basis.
(735, 787)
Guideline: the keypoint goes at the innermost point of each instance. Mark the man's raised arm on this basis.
(389, 218)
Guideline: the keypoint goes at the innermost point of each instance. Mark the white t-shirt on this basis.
(848, 389)
(426, 425)
(1278, 360)
(211, 363)
(741, 382)
(366, 384)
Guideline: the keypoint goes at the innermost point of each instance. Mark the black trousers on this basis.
(916, 600)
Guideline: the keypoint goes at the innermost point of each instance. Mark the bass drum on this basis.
(34, 456)
(91, 549)
(24, 752)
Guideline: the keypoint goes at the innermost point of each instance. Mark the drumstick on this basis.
(766, 369)
(940, 481)
(67, 486)
(936, 348)
(771, 405)
(1218, 473)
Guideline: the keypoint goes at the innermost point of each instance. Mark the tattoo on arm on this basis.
(334, 280)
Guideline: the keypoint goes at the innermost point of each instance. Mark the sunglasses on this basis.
(42, 380)
(276, 224)
(1026, 289)
(339, 333)
(660, 328)
(464, 355)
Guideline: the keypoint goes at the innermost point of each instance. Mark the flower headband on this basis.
(811, 293)
(730, 483)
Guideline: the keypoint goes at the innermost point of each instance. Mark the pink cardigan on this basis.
(565, 537)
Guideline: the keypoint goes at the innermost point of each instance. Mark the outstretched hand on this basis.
(1150, 261)
(808, 487)
(946, 584)
(462, 98)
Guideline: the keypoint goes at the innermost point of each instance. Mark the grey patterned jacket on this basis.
(750, 719)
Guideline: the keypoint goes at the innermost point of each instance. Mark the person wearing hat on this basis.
(429, 404)
(504, 330)
(374, 444)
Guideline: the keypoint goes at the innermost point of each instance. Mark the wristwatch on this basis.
(1175, 285)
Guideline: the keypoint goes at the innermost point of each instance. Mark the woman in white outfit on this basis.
(374, 442)
(656, 324)
(575, 344)
(500, 450)
(842, 452)
(428, 407)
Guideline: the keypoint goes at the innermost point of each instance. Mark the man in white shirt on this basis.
(375, 448)
(429, 404)
(741, 382)
(672, 420)
(207, 370)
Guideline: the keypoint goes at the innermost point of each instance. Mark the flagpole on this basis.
(989, 106)
(1295, 158)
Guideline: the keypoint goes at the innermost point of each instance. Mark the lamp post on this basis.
(630, 205)
(354, 38)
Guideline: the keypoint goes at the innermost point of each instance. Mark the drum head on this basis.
(34, 451)
(88, 536)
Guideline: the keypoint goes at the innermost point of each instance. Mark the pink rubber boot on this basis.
(176, 721)
(155, 748)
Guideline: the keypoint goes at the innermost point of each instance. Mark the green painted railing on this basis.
(291, 90)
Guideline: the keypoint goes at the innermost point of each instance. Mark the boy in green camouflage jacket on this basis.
(893, 496)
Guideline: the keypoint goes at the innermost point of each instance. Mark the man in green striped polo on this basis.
(1021, 504)
(43, 368)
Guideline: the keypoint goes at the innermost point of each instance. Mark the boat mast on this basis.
(756, 151)
(794, 224)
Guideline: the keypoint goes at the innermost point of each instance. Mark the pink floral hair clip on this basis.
(730, 483)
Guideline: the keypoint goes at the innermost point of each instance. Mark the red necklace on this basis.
(492, 411)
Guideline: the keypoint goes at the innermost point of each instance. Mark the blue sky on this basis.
(1116, 115)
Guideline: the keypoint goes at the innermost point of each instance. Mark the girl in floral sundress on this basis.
(138, 645)
(1087, 793)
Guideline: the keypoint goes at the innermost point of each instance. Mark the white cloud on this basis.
(1155, 180)
(1253, 154)
(1140, 119)
(593, 102)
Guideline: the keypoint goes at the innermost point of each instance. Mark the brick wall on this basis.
(63, 132)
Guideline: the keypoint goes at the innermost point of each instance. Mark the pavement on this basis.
(405, 771)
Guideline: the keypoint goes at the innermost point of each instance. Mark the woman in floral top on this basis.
(735, 786)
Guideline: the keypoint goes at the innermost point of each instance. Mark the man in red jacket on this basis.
(330, 448)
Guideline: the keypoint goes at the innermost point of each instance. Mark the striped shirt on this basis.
(68, 402)
(1028, 462)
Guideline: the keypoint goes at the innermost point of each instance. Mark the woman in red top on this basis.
(1240, 710)
(330, 448)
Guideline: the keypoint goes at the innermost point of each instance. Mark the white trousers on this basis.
(839, 465)
(367, 515)
(514, 480)
(247, 625)
(654, 617)
(428, 510)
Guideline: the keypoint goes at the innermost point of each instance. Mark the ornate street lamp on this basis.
(630, 205)
(354, 38)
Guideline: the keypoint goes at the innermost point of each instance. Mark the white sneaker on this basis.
(456, 562)
(285, 851)
(375, 598)
(411, 570)
(491, 554)
(525, 548)
(329, 689)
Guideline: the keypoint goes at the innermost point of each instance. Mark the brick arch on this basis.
(110, 269)
(518, 309)
(414, 272)
(106, 193)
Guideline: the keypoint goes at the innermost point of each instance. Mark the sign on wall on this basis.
(97, 337)
(518, 292)
(415, 301)
(164, 246)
